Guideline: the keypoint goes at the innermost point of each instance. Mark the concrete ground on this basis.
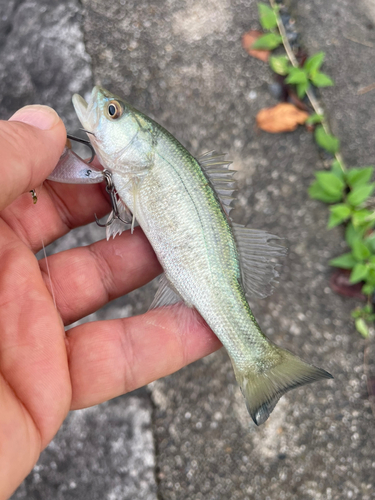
(189, 436)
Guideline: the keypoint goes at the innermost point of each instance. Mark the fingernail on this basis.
(42, 117)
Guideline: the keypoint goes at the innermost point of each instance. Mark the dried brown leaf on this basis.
(247, 41)
(284, 117)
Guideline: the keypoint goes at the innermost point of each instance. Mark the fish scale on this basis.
(209, 262)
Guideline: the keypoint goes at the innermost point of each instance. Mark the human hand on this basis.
(45, 371)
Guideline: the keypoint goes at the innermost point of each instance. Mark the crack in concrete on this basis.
(159, 494)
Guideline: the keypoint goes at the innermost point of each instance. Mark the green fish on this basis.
(211, 264)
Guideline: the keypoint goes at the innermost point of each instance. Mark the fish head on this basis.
(109, 121)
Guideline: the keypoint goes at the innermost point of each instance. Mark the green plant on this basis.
(268, 20)
(347, 191)
(303, 76)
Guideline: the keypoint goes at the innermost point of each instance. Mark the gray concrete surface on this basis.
(106, 451)
(43, 56)
(182, 63)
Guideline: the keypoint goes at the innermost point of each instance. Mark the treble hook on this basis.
(110, 188)
(85, 142)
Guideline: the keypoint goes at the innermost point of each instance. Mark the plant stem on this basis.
(311, 96)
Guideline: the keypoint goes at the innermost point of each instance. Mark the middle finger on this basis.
(86, 278)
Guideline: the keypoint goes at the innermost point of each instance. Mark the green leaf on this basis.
(360, 250)
(370, 278)
(357, 313)
(314, 118)
(360, 194)
(341, 210)
(321, 80)
(370, 242)
(358, 274)
(359, 176)
(279, 64)
(331, 184)
(333, 221)
(345, 261)
(314, 62)
(362, 327)
(296, 75)
(267, 42)
(339, 213)
(365, 227)
(302, 89)
(317, 193)
(351, 234)
(368, 289)
(267, 16)
(326, 141)
(359, 217)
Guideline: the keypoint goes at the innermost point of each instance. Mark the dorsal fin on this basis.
(165, 295)
(258, 260)
(217, 171)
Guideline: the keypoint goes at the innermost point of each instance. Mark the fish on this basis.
(210, 263)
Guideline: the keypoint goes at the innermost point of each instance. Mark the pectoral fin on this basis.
(118, 226)
(166, 295)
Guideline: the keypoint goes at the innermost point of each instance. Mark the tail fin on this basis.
(262, 389)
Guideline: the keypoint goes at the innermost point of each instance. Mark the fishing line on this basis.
(49, 274)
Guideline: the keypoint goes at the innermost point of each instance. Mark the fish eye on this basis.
(114, 110)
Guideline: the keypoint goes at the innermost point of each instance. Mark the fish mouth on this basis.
(80, 106)
(87, 112)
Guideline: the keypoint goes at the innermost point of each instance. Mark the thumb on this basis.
(31, 143)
